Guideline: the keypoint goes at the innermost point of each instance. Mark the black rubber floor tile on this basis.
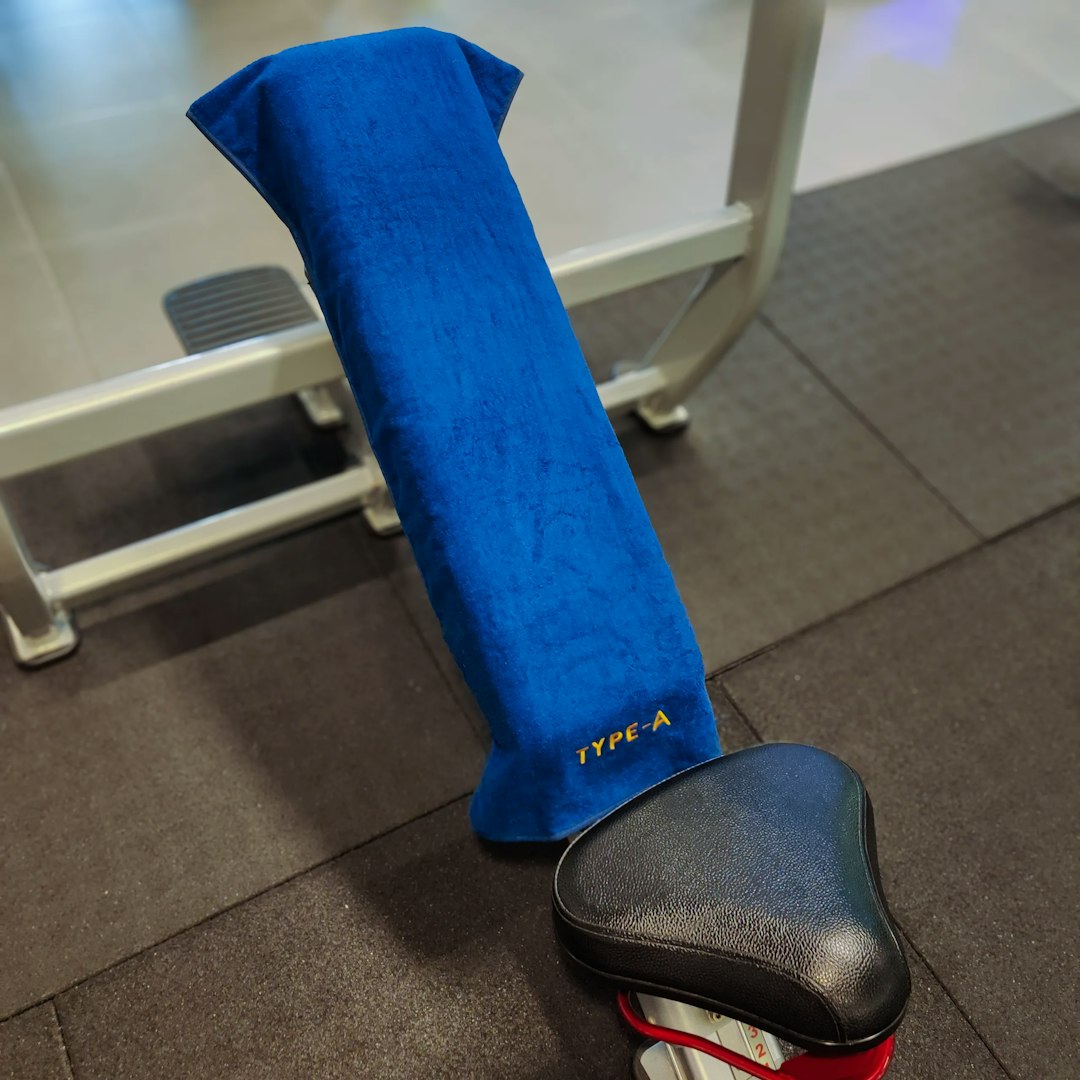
(31, 1047)
(940, 298)
(935, 1042)
(424, 954)
(778, 508)
(958, 699)
(393, 557)
(207, 741)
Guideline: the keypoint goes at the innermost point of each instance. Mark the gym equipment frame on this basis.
(737, 248)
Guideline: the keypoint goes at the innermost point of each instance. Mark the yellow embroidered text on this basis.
(625, 735)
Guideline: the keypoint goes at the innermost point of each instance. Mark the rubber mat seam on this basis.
(1039, 519)
(63, 1038)
(55, 994)
(483, 736)
(803, 359)
(956, 1004)
(736, 708)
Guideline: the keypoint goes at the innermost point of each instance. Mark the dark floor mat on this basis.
(31, 1047)
(958, 698)
(207, 742)
(940, 298)
(426, 954)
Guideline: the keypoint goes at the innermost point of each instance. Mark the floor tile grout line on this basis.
(63, 1038)
(54, 994)
(391, 579)
(756, 654)
(736, 708)
(45, 262)
(955, 1003)
(866, 422)
(927, 571)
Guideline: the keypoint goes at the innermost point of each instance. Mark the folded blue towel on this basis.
(381, 155)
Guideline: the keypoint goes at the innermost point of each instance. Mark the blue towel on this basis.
(381, 155)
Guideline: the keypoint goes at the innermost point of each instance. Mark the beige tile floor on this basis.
(108, 197)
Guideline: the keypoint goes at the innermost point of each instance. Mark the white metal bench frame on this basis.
(738, 248)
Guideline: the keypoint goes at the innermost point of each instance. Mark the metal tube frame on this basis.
(737, 247)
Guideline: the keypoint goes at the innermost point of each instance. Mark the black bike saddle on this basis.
(749, 886)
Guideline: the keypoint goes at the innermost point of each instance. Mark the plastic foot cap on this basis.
(663, 421)
(60, 640)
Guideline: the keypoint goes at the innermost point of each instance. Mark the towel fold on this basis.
(381, 155)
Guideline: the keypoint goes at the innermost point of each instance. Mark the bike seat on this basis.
(749, 886)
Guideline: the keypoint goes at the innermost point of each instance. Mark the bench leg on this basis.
(39, 631)
(320, 407)
(777, 77)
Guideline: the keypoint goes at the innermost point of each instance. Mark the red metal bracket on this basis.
(869, 1064)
